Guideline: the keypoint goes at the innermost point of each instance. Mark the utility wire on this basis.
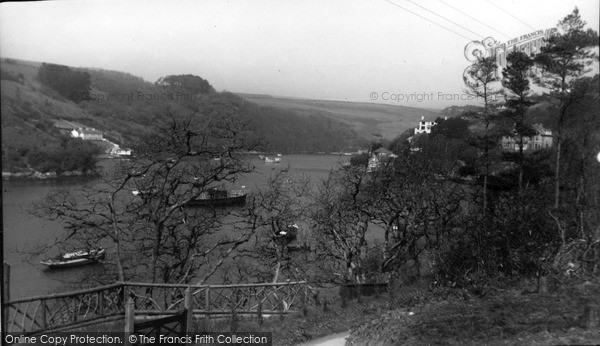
(474, 33)
(503, 10)
(418, 15)
(475, 19)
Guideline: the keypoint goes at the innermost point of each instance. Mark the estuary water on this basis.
(23, 232)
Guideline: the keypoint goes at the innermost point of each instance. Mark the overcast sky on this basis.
(333, 50)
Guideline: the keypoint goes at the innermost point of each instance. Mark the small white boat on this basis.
(272, 160)
(77, 258)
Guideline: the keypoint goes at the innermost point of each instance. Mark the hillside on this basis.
(122, 106)
(366, 119)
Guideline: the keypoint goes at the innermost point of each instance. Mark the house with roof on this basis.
(542, 140)
(118, 151)
(378, 157)
(424, 126)
(87, 134)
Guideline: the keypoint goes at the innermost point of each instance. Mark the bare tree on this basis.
(341, 216)
(156, 234)
(276, 214)
(416, 205)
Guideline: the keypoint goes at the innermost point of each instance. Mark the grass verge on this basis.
(510, 316)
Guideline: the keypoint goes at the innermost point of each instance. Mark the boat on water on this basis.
(76, 258)
(218, 197)
(272, 159)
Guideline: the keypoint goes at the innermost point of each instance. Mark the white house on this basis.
(424, 126)
(116, 150)
(87, 134)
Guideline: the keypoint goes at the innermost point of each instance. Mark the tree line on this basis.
(72, 84)
(72, 154)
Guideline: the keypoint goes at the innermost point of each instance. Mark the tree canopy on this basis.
(187, 83)
(72, 84)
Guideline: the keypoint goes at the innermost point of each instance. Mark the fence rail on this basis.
(59, 311)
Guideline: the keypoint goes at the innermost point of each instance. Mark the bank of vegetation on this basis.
(124, 107)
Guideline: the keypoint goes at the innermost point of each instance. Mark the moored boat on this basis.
(219, 198)
(272, 159)
(76, 258)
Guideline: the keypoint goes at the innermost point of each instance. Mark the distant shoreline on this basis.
(35, 175)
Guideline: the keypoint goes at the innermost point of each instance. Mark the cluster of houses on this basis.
(542, 140)
(76, 130)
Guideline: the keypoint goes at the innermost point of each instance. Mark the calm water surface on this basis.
(23, 232)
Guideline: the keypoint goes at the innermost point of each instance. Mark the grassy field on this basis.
(509, 316)
(366, 118)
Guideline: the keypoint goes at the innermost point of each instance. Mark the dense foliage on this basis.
(454, 206)
(185, 82)
(72, 84)
(73, 154)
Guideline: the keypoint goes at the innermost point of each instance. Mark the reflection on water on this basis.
(24, 233)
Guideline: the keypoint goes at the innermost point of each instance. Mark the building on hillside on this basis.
(424, 126)
(87, 134)
(542, 140)
(116, 150)
(378, 157)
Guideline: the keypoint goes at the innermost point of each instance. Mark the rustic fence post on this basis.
(207, 308)
(101, 303)
(305, 301)
(344, 293)
(6, 295)
(6, 282)
(234, 319)
(123, 299)
(74, 309)
(129, 320)
(281, 309)
(188, 304)
(43, 306)
(259, 313)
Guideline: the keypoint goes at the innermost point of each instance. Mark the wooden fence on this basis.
(107, 303)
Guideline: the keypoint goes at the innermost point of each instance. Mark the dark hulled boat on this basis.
(220, 198)
(74, 259)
